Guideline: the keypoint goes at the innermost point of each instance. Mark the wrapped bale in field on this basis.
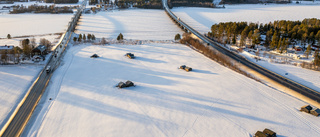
(270, 133)
(260, 134)
(121, 85)
(306, 108)
(129, 83)
(315, 112)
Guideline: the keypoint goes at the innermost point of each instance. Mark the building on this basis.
(6, 48)
(39, 50)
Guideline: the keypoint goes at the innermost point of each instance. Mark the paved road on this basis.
(308, 92)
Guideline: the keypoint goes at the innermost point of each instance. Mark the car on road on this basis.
(48, 69)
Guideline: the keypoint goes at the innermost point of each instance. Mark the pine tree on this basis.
(84, 37)
(177, 37)
(120, 37)
(93, 37)
(307, 53)
(9, 36)
(74, 39)
(80, 38)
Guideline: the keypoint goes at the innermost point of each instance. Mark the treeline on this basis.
(146, 4)
(278, 35)
(41, 9)
(213, 54)
(190, 3)
(61, 1)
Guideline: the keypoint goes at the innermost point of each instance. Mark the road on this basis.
(308, 92)
(18, 120)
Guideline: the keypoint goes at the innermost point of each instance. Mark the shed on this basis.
(260, 134)
(129, 83)
(315, 112)
(121, 85)
(306, 108)
(270, 133)
(39, 50)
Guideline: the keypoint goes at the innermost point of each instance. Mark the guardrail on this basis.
(306, 91)
(66, 36)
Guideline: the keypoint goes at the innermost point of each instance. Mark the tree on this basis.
(84, 37)
(33, 42)
(308, 51)
(103, 41)
(120, 37)
(177, 37)
(275, 40)
(80, 38)
(9, 36)
(74, 39)
(26, 48)
(89, 37)
(93, 37)
(46, 43)
(256, 37)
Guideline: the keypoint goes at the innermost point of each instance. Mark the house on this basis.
(315, 47)
(297, 48)
(6, 48)
(39, 50)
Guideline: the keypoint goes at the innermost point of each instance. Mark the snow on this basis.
(15, 81)
(16, 41)
(167, 101)
(133, 24)
(306, 77)
(33, 24)
(202, 19)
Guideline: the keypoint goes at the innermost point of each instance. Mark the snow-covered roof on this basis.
(5, 47)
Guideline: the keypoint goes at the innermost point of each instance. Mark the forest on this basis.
(41, 9)
(278, 35)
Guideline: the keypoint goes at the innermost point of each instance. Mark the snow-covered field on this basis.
(32, 24)
(133, 24)
(211, 100)
(14, 81)
(306, 77)
(202, 19)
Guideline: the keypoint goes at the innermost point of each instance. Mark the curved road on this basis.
(308, 92)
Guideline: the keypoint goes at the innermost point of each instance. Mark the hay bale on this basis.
(306, 108)
(315, 112)
(129, 83)
(269, 132)
(121, 85)
(260, 134)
